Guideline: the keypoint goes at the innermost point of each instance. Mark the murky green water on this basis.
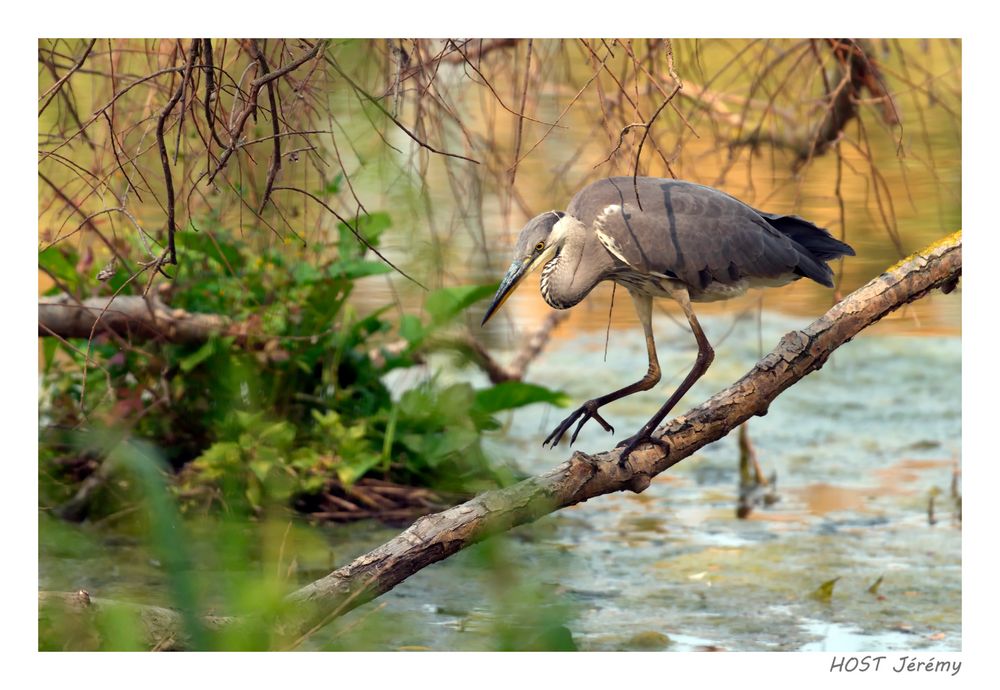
(858, 448)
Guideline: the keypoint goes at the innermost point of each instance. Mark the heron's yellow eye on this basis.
(540, 246)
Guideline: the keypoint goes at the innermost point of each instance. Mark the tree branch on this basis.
(129, 316)
(435, 537)
(168, 179)
(147, 318)
(236, 131)
(532, 346)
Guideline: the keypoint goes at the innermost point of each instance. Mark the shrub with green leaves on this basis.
(295, 403)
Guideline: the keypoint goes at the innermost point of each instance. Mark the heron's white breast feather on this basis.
(611, 244)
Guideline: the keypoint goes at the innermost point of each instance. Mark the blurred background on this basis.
(310, 375)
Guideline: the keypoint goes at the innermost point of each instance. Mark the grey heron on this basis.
(662, 238)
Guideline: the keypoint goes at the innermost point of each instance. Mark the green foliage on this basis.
(442, 305)
(296, 403)
(58, 264)
(446, 303)
(512, 394)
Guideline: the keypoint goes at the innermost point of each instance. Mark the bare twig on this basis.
(236, 131)
(53, 90)
(678, 85)
(371, 99)
(210, 99)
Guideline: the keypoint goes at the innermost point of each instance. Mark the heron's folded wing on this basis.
(694, 233)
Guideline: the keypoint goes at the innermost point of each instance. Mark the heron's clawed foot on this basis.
(633, 442)
(585, 412)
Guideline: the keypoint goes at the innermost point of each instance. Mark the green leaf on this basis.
(198, 356)
(413, 442)
(55, 261)
(369, 226)
(453, 403)
(279, 435)
(49, 347)
(410, 329)
(372, 225)
(166, 533)
(116, 283)
(452, 441)
(260, 468)
(253, 494)
(304, 458)
(355, 268)
(305, 273)
(222, 253)
(333, 186)
(512, 394)
(445, 303)
(351, 471)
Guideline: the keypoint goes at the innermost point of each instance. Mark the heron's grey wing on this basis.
(694, 233)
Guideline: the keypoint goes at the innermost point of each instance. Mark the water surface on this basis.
(858, 449)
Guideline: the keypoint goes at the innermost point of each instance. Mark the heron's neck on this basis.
(559, 284)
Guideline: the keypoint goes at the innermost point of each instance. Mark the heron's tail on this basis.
(816, 246)
(820, 243)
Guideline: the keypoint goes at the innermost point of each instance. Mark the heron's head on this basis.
(536, 246)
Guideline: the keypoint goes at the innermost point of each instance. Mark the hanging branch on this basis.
(237, 130)
(272, 171)
(164, 158)
(210, 94)
(678, 85)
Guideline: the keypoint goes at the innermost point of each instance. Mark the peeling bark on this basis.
(435, 537)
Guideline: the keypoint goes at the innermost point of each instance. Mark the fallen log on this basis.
(128, 316)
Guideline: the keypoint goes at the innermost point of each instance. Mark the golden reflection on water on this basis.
(899, 479)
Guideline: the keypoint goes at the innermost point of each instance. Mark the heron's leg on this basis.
(644, 308)
(705, 356)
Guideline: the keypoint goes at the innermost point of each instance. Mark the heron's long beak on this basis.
(515, 273)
